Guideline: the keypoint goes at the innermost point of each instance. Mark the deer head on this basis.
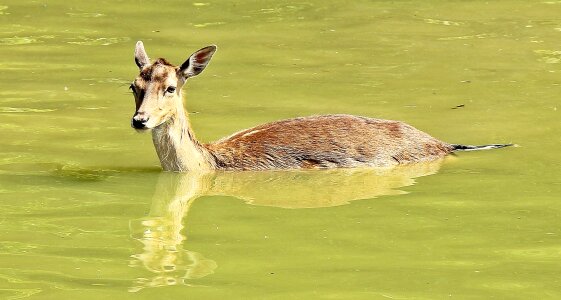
(157, 89)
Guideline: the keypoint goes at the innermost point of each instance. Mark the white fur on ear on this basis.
(197, 62)
(140, 57)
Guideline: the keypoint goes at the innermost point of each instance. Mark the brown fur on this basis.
(150, 72)
(331, 141)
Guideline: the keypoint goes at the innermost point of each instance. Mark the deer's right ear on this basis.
(197, 62)
(140, 57)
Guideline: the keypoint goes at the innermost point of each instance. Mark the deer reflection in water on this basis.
(161, 232)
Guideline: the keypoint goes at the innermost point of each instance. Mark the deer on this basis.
(314, 142)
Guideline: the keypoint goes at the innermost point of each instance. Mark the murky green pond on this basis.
(85, 212)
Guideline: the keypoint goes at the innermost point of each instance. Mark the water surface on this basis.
(86, 212)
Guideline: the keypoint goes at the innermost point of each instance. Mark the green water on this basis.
(85, 212)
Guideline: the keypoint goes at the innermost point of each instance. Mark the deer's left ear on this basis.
(140, 57)
(197, 62)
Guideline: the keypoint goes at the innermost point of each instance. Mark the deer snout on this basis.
(139, 121)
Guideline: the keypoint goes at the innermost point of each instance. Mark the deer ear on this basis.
(140, 57)
(197, 62)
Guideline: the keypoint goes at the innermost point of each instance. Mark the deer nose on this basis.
(139, 122)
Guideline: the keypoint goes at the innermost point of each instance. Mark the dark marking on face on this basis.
(148, 71)
(160, 77)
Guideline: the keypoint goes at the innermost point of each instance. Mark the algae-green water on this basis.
(86, 213)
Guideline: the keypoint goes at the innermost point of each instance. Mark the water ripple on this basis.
(442, 22)
(24, 110)
(469, 37)
(201, 25)
(2, 10)
(101, 41)
(23, 40)
(549, 56)
(86, 15)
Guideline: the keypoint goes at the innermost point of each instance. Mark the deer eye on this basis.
(170, 89)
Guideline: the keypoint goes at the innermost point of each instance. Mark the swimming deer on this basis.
(316, 142)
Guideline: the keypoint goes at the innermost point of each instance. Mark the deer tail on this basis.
(458, 147)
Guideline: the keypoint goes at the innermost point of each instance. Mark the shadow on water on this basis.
(161, 231)
(58, 170)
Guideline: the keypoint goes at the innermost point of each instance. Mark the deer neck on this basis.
(177, 147)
